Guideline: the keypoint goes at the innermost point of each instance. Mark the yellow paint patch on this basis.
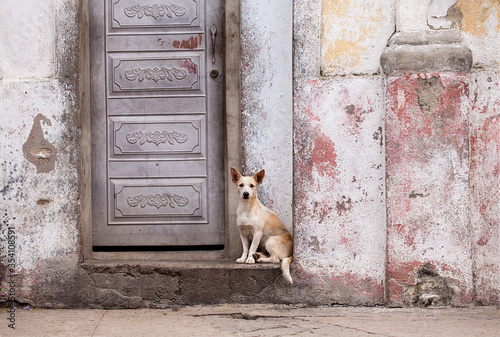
(478, 15)
(349, 31)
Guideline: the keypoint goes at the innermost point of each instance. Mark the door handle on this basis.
(213, 30)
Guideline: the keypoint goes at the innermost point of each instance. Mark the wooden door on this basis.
(157, 123)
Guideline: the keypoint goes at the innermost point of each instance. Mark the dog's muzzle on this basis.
(246, 195)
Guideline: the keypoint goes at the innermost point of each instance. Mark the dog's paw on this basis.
(250, 259)
(240, 260)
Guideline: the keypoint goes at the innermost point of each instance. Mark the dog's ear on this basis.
(235, 175)
(259, 177)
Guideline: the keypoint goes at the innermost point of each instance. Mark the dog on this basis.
(260, 226)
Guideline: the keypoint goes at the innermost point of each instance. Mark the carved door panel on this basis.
(157, 123)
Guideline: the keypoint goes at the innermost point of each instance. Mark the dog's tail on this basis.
(285, 268)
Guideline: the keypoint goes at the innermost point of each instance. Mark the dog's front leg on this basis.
(253, 248)
(245, 243)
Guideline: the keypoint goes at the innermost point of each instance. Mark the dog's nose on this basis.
(246, 195)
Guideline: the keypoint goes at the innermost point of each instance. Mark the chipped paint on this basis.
(430, 289)
(485, 184)
(354, 34)
(339, 189)
(266, 100)
(427, 181)
(479, 17)
(37, 150)
(480, 23)
(192, 43)
(439, 15)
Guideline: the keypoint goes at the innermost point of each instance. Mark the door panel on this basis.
(182, 13)
(172, 136)
(157, 145)
(149, 72)
(159, 200)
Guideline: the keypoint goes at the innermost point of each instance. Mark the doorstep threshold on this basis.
(175, 265)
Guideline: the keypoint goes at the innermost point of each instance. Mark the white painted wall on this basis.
(266, 100)
(27, 39)
(42, 207)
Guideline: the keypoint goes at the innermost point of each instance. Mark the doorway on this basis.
(157, 124)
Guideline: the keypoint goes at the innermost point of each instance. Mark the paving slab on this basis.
(255, 320)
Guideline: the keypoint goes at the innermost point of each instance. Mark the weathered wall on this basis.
(441, 148)
(339, 188)
(485, 184)
(440, 228)
(480, 22)
(39, 147)
(266, 100)
(428, 186)
(353, 35)
(393, 195)
(339, 182)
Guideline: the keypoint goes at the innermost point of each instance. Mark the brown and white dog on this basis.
(260, 226)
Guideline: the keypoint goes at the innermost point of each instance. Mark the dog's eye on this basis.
(241, 185)
(252, 185)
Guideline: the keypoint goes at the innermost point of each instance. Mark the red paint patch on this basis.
(190, 66)
(418, 133)
(324, 157)
(192, 43)
(162, 42)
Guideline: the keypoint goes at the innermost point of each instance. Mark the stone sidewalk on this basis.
(255, 320)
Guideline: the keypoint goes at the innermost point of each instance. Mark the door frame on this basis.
(232, 143)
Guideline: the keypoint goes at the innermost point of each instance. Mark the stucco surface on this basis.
(389, 185)
(485, 184)
(39, 148)
(340, 187)
(480, 22)
(428, 182)
(266, 100)
(27, 39)
(354, 34)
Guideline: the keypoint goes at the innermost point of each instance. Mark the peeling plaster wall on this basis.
(393, 195)
(428, 182)
(39, 148)
(339, 163)
(442, 220)
(485, 184)
(354, 34)
(340, 188)
(266, 100)
(442, 157)
(480, 22)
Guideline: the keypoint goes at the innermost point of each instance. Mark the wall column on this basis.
(427, 70)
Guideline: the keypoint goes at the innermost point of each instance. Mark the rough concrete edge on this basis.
(450, 36)
(397, 60)
(306, 46)
(306, 64)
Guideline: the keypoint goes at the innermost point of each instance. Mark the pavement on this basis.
(254, 320)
